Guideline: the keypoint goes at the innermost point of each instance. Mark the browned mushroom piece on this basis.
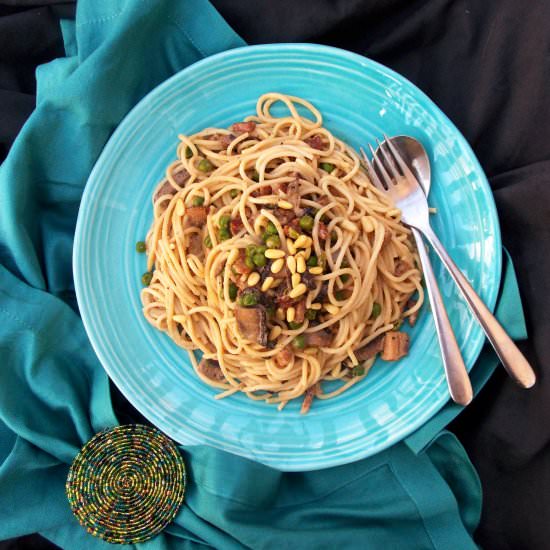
(315, 142)
(165, 189)
(194, 245)
(321, 338)
(252, 323)
(196, 216)
(283, 357)
(293, 194)
(181, 176)
(239, 265)
(211, 369)
(308, 399)
(242, 127)
(300, 311)
(284, 216)
(323, 231)
(226, 140)
(371, 349)
(396, 345)
(309, 280)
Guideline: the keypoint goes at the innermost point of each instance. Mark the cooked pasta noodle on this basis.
(273, 254)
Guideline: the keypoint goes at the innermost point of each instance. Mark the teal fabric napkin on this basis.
(54, 394)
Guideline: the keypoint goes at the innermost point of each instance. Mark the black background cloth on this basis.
(486, 63)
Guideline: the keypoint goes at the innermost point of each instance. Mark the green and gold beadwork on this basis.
(126, 484)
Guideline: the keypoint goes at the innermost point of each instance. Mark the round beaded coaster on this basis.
(126, 484)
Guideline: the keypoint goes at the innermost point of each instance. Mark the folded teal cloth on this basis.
(54, 394)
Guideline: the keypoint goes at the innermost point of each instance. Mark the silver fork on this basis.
(458, 381)
(405, 191)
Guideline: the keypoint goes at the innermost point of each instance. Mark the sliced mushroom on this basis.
(396, 345)
(211, 369)
(165, 188)
(252, 323)
(194, 245)
(371, 349)
(320, 338)
(181, 177)
(196, 216)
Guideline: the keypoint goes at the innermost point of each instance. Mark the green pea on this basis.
(270, 229)
(376, 310)
(327, 167)
(259, 260)
(293, 326)
(248, 300)
(299, 341)
(198, 201)
(292, 233)
(260, 249)
(224, 221)
(188, 152)
(255, 176)
(273, 241)
(249, 262)
(233, 193)
(146, 278)
(232, 291)
(208, 241)
(225, 234)
(140, 247)
(312, 261)
(358, 371)
(205, 165)
(311, 314)
(306, 223)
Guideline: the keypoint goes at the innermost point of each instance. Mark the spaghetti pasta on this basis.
(273, 254)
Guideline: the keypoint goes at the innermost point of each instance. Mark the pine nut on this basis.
(277, 265)
(274, 253)
(298, 291)
(266, 285)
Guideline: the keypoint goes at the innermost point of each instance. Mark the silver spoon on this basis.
(405, 190)
(458, 380)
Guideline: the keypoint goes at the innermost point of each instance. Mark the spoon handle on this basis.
(513, 360)
(458, 380)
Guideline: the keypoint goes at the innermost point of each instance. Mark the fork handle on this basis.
(458, 380)
(513, 360)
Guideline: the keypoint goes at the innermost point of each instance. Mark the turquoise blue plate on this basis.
(360, 100)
